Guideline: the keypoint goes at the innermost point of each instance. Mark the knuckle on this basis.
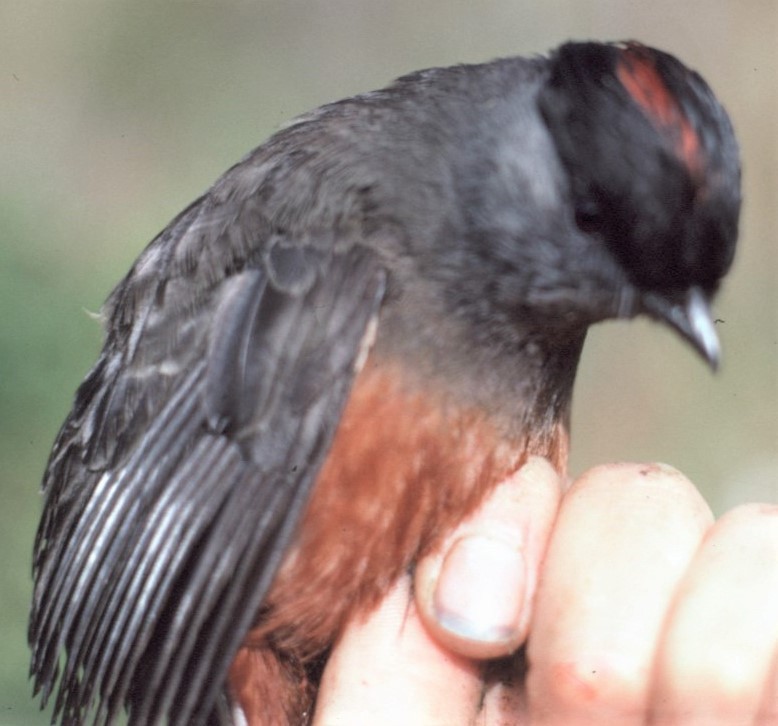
(603, 681)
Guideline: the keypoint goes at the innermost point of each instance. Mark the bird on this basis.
(332, 356)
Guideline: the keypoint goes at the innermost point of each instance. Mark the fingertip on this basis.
(631, 471)
(538, 471)
(651, 484)
(475, 593)
(479, 595)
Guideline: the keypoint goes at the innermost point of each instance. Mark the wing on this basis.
(179, 476)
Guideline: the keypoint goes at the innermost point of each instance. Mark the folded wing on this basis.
(178, 478)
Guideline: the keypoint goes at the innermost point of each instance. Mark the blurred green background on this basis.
(114, 115)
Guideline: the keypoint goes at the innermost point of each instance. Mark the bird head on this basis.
(653, 176)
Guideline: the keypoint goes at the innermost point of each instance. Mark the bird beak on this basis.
(688, 313)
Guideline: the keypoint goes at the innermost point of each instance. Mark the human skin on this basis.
(637, 607)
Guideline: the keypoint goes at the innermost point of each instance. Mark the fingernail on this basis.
(480, 590)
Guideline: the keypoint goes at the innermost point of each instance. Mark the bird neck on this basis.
(523, 387)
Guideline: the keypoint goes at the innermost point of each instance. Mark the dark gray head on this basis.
(600, 182)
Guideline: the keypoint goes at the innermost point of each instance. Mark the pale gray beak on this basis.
(688, 313)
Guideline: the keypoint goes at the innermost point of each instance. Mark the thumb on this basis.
(475, 594)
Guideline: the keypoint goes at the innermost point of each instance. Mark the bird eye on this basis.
(588, 216)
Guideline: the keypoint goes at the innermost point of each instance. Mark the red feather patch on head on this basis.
(638, 74)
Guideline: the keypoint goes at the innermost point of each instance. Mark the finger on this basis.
(388, 670)
(624, 537)
(768, 710)
(476, 593)
(716, 661)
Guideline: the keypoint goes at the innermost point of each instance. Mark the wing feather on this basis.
(179, 477)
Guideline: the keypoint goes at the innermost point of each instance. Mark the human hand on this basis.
(644, 611)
